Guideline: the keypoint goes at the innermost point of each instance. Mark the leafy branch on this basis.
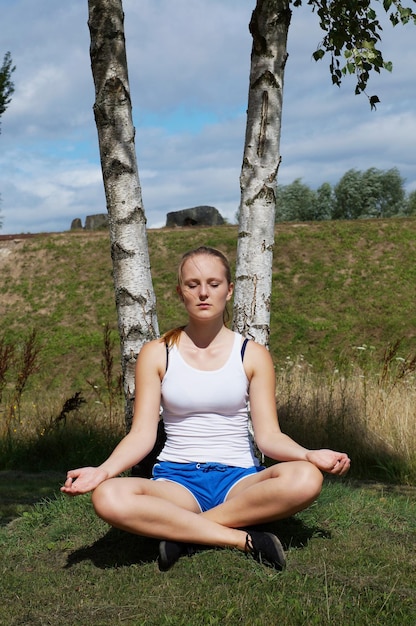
(352, 35)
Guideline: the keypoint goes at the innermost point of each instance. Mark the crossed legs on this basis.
(166, 510)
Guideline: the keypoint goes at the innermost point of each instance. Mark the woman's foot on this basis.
(265, 548)
(171, 551)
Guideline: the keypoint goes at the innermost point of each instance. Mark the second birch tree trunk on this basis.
(269, 27)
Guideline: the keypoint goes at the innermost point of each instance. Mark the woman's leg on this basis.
(271, 494)
(274, 493)
(165, 509)
(160, 509)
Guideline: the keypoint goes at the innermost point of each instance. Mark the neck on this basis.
(204, 335)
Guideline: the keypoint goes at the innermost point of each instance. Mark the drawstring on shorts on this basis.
(211, 467)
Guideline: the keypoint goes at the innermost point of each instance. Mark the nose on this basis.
(203, 292)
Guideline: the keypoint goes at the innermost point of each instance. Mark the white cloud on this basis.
(188, 68)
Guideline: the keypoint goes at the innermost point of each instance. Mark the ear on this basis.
(230, 291)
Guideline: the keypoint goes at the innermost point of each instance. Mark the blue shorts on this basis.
(209, 483)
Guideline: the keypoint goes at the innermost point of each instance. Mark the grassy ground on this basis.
(342, 292)
(351, 561)
(20, 490)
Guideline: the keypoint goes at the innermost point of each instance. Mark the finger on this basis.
(344, 467)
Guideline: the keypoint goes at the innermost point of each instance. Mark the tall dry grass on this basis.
(369, 414)
(39, 431)
(364, 408)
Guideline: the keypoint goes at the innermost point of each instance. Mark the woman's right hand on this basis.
(82, 480)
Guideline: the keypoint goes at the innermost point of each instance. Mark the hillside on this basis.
(336, 286)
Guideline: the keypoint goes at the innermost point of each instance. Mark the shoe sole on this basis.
(279, 548)
(277, 565)
(163, 561)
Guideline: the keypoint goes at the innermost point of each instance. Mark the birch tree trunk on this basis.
(269, 27)
(135, 298)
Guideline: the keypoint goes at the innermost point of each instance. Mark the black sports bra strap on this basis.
(243, 348)
(167, 356)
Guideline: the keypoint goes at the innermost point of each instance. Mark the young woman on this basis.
(207, 484)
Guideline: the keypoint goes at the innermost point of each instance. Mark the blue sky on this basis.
(188, 67)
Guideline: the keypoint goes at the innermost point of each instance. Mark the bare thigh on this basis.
(274, 493)
(126, 491)
(297, 473)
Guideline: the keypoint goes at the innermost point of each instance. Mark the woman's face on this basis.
(204, 288)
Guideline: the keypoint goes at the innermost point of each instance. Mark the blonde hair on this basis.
(171, 337)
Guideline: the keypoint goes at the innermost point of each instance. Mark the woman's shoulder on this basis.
(152, 353)
(256, 357)
(254, 347)
(152, 358)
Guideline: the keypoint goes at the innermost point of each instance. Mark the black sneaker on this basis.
(170, 552)
(266, 548)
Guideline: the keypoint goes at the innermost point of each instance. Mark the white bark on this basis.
(135, 298)
(269, 27)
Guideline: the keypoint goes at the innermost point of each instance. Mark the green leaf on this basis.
(368, 45)
(318, 54)
(388, 65)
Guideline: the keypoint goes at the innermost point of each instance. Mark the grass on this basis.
(343, 341)
(19, 490)
(350, 561)
(342, 294)
(336, 285)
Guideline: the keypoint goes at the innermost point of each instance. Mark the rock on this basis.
(196, 216)
(76, 224)
(96, 222)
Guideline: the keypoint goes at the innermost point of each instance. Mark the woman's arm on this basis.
(269, 438)
(142, 436)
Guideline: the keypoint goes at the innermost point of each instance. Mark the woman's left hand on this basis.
(337, 463)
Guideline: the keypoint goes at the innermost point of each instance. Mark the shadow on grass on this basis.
(293, 532)
(118, 548)
(20, 490)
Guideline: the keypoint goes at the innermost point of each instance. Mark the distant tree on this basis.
(373, 193)
(295, 202)
(383, 193)
(6, 92)
(323, 202)
(135, 298)
(352, 33)
(6, 84)
(410, 204)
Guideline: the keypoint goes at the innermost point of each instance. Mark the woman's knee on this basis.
(104, 500)
(304, 479)
(310, 479)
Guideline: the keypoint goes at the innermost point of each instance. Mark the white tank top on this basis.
(205, 412)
